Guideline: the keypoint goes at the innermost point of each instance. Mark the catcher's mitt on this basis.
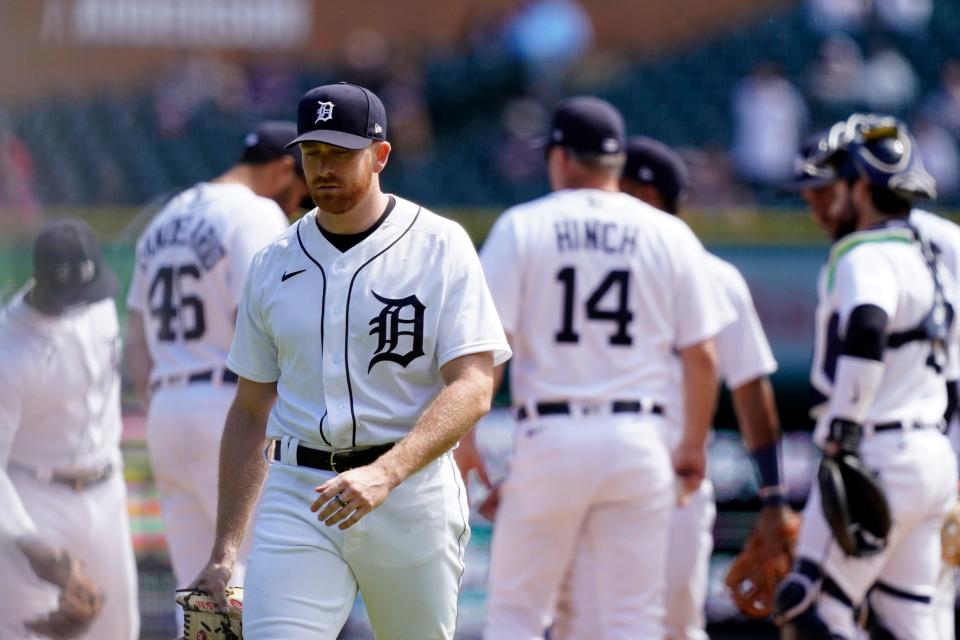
(950, 537)
(854, 505)
(202, 620)
(765, 560)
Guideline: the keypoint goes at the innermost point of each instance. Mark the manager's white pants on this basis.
(598, 489)
(184, 427)
(688, 569)
(918, 473)
(405, 557)
(92, 524)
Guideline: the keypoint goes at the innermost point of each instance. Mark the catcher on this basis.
(871, 530)
(204, 619)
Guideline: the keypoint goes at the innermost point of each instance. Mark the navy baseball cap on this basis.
(652, 162)
(268, 142)
(588, 124)
(68, 265)
(343, 115)
(815, 165)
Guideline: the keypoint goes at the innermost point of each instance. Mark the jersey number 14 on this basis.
(171, 304)
(620, 315)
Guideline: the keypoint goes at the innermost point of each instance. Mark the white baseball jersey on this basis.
(609, 275)
(60, 416)
(191, 263)
(944, 235)
(59, 396)
(883, 267)
(355, 340)
(743, 352)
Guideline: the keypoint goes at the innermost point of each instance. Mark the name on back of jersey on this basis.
(595, 235)
(188, 230)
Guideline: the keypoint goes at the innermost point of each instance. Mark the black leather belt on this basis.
(616, 406)
(227, 377)
(81, 481)
(897, 426)
(337, 461)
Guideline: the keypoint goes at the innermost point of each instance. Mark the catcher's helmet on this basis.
(881, 151)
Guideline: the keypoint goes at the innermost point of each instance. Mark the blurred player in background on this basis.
(657, 175)
(65, 544)
(879, 365)
(815, 180)
(596, 290)
(191, 264)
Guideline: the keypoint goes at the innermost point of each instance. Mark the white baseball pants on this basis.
(94, 526)
(596, 489)
(184, 427)
(918, 471)
(405, 557)
(688, 565)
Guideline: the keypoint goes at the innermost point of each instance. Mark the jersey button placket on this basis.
(334, 370)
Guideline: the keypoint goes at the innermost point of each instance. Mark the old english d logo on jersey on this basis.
(400, 317)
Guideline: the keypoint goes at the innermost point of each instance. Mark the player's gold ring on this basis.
(339, 500)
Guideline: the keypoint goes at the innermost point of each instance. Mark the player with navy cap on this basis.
(191, 264)
(65, 544)
(596, 290)
(365, 347)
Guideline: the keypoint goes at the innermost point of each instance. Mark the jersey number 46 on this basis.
(172, 309)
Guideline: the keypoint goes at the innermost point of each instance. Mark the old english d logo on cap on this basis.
(324, 112)
(343, 115)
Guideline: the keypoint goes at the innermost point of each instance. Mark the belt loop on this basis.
(291, 453)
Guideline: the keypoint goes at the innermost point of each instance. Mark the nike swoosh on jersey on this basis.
(286, 276)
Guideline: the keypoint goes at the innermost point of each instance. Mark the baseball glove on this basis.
(202, 620)
(765, 560)
(854, 505)
(950, 537)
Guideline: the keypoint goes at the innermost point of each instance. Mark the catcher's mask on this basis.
(854, 505)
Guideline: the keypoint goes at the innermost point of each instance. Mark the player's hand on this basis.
(81, 601)
(488, 508)
(213, 579)
(52, 564)
(468, 458)
(778, 525)
(690, 465)
(360, 491)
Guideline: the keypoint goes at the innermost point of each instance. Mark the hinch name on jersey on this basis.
(594, 235)
(186, 230)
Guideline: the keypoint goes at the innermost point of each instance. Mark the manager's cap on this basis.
(68, 265)
(652, 162)
(588, 124)
(343, 115)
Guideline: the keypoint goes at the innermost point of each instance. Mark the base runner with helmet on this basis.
(884, 324)
(191, 264)
(366, 342)
(595, 290)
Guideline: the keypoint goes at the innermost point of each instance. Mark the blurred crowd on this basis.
(464, 115)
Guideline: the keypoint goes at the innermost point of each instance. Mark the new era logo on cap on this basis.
(343, 115)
